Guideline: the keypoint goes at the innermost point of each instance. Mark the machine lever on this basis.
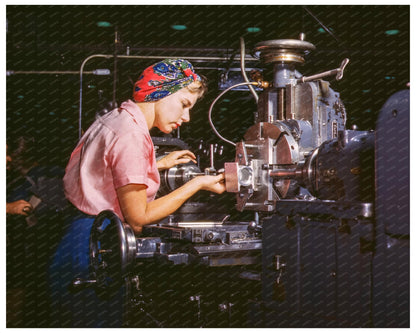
(339, 72)
(341, 69)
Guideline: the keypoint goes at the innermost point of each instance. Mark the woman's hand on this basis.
(175, 158)
(19, 207)
(211, 183)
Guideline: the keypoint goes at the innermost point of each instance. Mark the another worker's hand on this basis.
(175, 158)
(19, 207)
(210, 183)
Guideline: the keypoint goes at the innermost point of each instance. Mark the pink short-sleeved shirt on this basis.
(115, 151)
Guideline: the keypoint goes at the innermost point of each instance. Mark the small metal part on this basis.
(211, 170)
(341, 69)
(104, 251)
(279, 263)
(79, 284)
(263, 84)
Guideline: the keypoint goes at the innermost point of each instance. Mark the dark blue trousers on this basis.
(86, 308)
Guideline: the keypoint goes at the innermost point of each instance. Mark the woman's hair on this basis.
(199, 87)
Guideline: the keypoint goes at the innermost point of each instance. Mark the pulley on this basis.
(283, 50)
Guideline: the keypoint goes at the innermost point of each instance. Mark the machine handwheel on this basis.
(112, 249)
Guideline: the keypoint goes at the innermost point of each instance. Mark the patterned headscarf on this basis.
(163, 79)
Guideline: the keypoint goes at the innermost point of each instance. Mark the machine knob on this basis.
(212, 236)
(253, 227)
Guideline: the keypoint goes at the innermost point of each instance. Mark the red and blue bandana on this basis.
(163, 79)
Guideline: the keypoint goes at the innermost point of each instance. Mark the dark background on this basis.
(46, 46)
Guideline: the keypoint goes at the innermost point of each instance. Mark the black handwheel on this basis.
(112, 250)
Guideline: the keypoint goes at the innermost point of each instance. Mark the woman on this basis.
(114, 167)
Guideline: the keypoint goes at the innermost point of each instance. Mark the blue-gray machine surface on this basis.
(335, 202)
(391, 258)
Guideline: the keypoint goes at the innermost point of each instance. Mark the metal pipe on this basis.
(173, 56)
(81, 70)
(211, 156)
(115, 71)
(12, 72)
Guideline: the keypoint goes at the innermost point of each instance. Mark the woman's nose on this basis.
(185, 116)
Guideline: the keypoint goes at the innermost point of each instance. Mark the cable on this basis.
(218, 97)
(243, 69)
(321, 24)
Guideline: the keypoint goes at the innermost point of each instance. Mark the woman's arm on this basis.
(138, 212)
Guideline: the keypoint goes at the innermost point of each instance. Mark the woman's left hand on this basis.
(175, 158)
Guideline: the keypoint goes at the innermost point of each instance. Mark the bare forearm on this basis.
(138, 212)
(169, 203)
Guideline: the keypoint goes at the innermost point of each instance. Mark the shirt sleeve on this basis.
(130, 158)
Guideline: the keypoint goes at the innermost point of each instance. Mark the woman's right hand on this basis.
(212, 183)
(19, 207)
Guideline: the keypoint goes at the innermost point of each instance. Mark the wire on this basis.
(215, 100)
(321, 24)
(243, 69)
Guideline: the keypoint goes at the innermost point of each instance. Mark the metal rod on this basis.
(281, 114)
(11, 72)
(115, 72)
(283, 173)
(211, 156)
(172, 56)
(318, 76)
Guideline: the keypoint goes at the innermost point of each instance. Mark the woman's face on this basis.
(173, 110)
